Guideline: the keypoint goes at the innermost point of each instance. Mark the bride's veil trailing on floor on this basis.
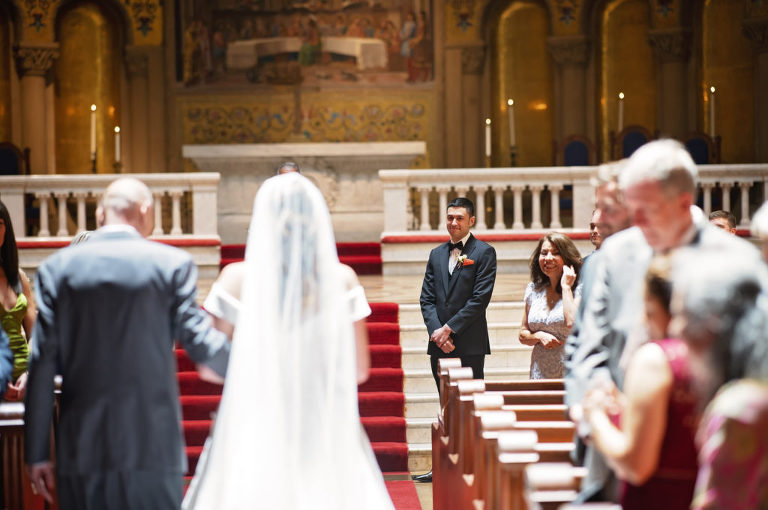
(288, 432)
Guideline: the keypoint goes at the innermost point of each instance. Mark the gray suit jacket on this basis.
(612, 314)
(109, 311)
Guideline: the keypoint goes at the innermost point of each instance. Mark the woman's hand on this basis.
(15, 391)
(547, 340)
(568, 277)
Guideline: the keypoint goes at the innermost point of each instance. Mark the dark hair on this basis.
(658, 284)
(569, 252)
(463, 202)
(729, 217)
(9, 253)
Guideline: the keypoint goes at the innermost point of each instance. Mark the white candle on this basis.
(487, 138)
(117, 144)
(93, 132)
(620, 123)
(712, 112)
(511, 115)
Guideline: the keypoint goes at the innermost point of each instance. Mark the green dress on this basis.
(12, 324)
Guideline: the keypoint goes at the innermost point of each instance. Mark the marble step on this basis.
(507, 355)
(420, 457)
(419, 430)
(505, 311)
(419, 380)
(499, 333)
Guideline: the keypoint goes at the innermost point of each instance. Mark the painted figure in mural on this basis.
(311, 45)
(339, 27)
(246, 31)
(193, 54)
(422, 51)
(219, 52)
(356, 29)
(205, 48)
(387, 32)
(407, 33)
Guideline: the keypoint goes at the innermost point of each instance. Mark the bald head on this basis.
(127, 201)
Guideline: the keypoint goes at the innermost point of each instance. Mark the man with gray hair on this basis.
(659, 186)
(109, 312)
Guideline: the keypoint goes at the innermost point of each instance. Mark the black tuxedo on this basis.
(460, 300)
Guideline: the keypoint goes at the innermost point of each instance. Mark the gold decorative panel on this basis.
(146, 18)
(728, 66)
(462, 20)
(326, 116)
(524, 70)
(5, 78)
(627, 65)
(86, 73)
(566, 16)
(37, 19)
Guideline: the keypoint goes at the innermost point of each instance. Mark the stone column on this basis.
(757, 33)
(137, 134)
(32, 63)
(472, 63)
(672, 48)
(570, 56)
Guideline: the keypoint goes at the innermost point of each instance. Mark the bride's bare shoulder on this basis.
(349, 277)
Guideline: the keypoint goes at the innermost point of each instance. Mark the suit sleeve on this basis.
(42, 369)
(192, 326)
(6, 362)
(428, 299)
(590, 350)
(474, 308)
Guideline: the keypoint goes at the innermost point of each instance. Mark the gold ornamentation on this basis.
(472, 59)
(671, 44)
(36, 60)
(756, 30)
(569, 49)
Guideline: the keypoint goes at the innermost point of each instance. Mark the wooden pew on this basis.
(515, 450)
(550, 485)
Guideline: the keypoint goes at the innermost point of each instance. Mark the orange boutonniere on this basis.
(464, 261)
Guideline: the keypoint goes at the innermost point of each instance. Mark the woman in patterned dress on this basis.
(550, 304)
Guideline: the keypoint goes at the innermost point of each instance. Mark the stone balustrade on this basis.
(414, 199)
(62, 191)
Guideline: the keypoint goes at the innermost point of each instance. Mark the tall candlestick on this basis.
(712, 112)
(117, 144)
(511, 115)
(487, 138)
(93, 132)
(620, 123)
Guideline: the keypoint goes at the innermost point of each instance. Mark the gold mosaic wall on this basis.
(86, 73)
(5, 79)
(728, 66)
(524, 71)
(627, 66)
(326, 116)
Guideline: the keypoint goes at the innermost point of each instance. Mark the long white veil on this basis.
(288, 432)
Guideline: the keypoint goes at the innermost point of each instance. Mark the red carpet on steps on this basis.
(403, 494)
(364, 258)
(380, 399)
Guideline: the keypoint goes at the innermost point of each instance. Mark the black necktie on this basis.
(452, 246)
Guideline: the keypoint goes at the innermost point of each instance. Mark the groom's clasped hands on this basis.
(442, 337)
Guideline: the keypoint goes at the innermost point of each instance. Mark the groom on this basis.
(457, 288)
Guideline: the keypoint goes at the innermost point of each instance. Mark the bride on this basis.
(288, 432)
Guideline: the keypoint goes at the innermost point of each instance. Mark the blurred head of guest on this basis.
(659, 185)
(723, 219)
(287, 167)
(721, 311)
(610, 214)
(127, 201)
(760, 227)
(658, 293)
(594, 231)
(9, 253)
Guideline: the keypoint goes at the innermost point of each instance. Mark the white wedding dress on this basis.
(288, 432)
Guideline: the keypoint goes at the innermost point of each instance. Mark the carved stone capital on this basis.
(472, 59)
(671, 45)
(569, 49)
(756, 30)
(136, 62)
(35, 60)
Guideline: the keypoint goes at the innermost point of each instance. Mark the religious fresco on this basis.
(309, 42)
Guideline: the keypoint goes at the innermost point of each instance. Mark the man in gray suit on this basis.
(109, 311)
(659, 186)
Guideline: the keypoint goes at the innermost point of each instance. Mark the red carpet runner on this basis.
(364, 258)
(381, 398)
